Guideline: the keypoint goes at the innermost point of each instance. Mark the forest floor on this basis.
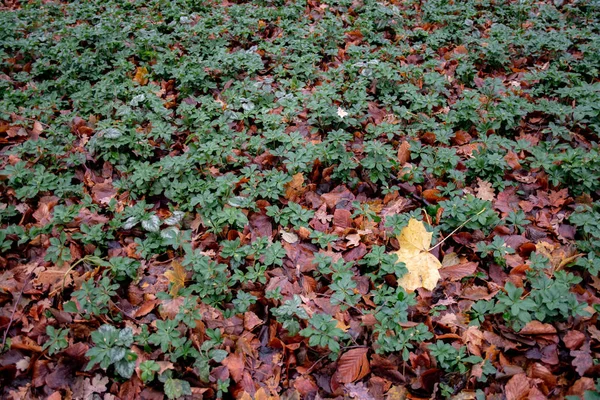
(299, 200)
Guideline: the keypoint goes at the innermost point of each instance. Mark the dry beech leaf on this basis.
(176, 276)
(352, 365)
(37, 128)
(341, 325)
(293, 188)
(423, 267)
(235, 364)
(403, 152)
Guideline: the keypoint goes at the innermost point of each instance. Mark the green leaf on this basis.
(176, 388)
(218, 355)
(70, 307)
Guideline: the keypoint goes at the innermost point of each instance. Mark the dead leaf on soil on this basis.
(140, 75)
(423, 267)
(485, 190)
(176, 276)
(289, 237)
(293, 189)
(352, 365)
(403, 152)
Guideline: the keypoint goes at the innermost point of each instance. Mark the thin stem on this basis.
(459, 227)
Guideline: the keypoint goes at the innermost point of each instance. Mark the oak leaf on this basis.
(423, 267)
(176, 276)
(484, 190)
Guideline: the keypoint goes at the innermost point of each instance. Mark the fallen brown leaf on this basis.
(352, 365)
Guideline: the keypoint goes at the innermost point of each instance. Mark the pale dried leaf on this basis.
(423, 267)
(289, 237)
(485, 190)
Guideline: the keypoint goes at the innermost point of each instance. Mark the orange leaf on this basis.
(432, 195)
(177, 277)
(353, 365)
(235, 364)
(293, 189)
(140, 75)
(404, 152)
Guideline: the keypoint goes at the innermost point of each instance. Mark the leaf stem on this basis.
(459, 227)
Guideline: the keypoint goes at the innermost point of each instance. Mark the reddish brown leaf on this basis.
(403, 153)
(512, 160)
(517, 387)
(461, 137)
(459, 271)
(539, 371)
(353, 365)
(342, 218)
(293, 189)
(581, 385)
(573, 340)
(103, 192)
(432, 195)
(146, 308)
(235, 365)
(537, 328)
(306, 386)
(251, 321)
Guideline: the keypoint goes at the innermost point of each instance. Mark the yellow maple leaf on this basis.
(140, 75)
(422, 266)
(177, 277)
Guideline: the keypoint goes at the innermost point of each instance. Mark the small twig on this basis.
(12, 315)
(33, 120)
(124, 313)
(76, 263)
(309, 370)
(459, 227)
(567, 261)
